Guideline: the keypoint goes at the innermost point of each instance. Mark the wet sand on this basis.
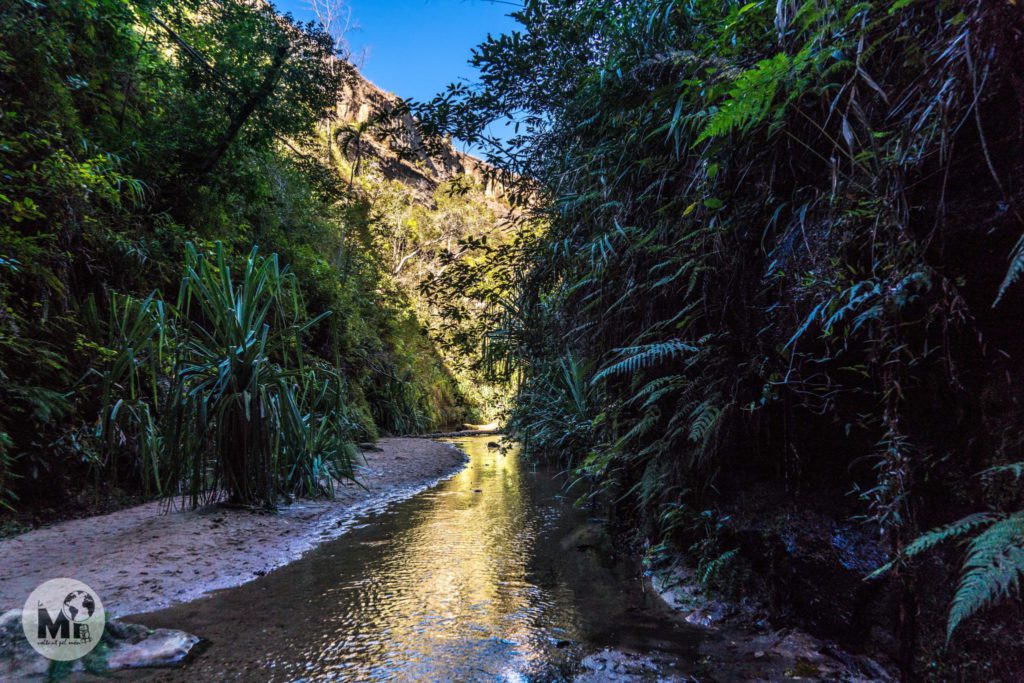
(143, 558)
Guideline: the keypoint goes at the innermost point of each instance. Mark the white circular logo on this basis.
(63, 619)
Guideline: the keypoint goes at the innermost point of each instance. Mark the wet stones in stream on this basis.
(617, 665)
(788, 654)
(744, 646)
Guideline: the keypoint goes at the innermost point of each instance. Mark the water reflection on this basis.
(490, 576)
(451, 589)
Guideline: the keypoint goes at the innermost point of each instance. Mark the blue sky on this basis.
(417, 47)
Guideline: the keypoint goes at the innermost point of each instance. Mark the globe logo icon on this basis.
(63, 620)
(78, 606)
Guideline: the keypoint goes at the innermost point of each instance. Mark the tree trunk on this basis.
(258, 97)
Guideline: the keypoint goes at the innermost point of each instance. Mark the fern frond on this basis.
(637, 357)
(855, 296)
(653, 391)
(703, 420)
(930, 539)
(650, 483)
(752, 95)
(641, 427)
(1015, 468)
(848, 302)
(992, 571)
(1013, 272)
(574, 385)
(817, 312)
(714, 567)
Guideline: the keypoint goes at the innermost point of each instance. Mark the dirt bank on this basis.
(141, 559)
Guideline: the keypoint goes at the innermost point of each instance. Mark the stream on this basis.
(492, 575)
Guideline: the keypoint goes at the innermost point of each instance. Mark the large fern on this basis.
(992, 570)
(752, 95)
(935, 537)
(995, 557)
(637, 357)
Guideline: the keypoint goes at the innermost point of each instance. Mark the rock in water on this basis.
(127, 646)
(136, 646)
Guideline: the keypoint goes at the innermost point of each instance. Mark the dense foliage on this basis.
(129, 129)
(244, 412)
(778, 246)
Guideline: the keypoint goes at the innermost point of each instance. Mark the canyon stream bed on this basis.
(492, 575)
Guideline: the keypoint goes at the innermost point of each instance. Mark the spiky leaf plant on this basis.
(240, 414)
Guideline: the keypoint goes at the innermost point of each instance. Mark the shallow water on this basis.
(491, 575)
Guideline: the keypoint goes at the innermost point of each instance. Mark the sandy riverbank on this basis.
(141, 559)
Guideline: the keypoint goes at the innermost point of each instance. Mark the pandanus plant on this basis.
(230, 408)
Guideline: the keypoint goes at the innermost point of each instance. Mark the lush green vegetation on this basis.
(763, 250)
(242, 403)
(192, 293)
(777, 245)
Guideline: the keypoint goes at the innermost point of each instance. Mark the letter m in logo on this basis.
(46, 624)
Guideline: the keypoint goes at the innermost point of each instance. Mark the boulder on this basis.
(124, 646)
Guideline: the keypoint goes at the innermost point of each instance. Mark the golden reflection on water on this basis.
(452, 595)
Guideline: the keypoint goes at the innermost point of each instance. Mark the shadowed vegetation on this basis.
(777, 262)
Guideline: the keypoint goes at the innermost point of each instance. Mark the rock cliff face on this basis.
(371, 123)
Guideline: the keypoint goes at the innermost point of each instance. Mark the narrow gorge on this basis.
(518, 340)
